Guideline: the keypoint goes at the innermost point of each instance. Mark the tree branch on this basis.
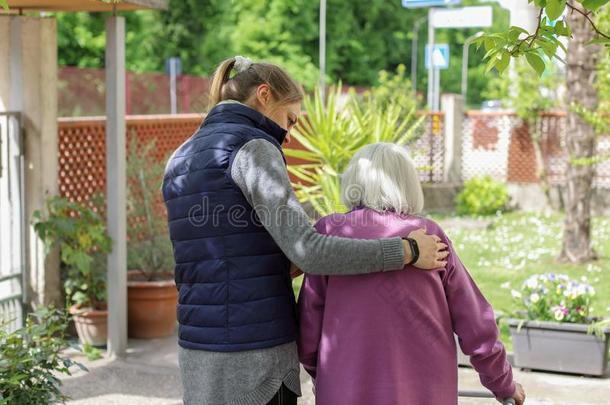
(537, 27)
(587, 16)
(532, 37)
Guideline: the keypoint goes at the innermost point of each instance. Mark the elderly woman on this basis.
(388, 338)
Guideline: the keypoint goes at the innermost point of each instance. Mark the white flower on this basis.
(532, 282)
(534, 298)
(558, 313)
(515, 294)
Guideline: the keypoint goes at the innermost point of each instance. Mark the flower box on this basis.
(562, 347)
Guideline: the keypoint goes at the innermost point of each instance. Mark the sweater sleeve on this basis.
(474, 322)
(311, 316)
(259, 171)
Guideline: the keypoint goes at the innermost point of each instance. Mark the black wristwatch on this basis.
(414, 250)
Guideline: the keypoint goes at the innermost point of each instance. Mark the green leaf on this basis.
(502, 64)
(491, 53)
(554, 8)
(478, 42)
(535, 62)
(4, 4)
(540, 3)
(548, 47)
(561, 29)
(593, 5)
(490, 64)
(514, 32)
(489, 44)
(301, 154)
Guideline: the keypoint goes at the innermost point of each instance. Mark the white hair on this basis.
(383, 177)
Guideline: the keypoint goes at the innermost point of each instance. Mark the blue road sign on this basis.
(440, 56)
(177, 66)
(428, 3)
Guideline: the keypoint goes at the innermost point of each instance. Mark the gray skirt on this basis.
(238, 378)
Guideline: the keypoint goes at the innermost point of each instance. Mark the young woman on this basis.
(236, 226)
(387, 338)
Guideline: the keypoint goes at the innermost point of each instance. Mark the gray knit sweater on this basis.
(253, 377)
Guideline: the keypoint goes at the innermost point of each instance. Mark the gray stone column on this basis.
(116, 186)
(28, 83)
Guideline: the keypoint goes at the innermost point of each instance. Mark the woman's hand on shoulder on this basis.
(432, 251)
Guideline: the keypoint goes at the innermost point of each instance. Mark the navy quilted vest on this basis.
(235, 291)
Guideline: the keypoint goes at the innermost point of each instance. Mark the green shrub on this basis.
(31, 357)
(481, 196)
(80, 233)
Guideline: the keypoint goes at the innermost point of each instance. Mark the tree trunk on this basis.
(580, 140)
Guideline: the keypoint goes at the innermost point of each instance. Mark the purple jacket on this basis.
(387, 338)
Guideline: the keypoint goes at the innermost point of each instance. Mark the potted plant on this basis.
(556, 331)
(152, 295)
(80, 234)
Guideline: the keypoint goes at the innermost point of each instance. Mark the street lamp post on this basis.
(467, 43)
(414, 49)
(323, 49)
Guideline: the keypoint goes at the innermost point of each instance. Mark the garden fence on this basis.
(497, 144)
(501, 145)
(82, 92)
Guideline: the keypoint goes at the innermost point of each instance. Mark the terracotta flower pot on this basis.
(91, 325)
(151, 306)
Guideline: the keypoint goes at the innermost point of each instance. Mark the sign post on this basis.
(173, 67)
(436, 59)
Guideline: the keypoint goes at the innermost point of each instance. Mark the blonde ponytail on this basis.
(221, 76)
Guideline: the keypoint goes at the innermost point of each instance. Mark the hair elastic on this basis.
(242, 64)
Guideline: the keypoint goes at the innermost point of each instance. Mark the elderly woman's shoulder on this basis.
(326, 223)
(432, 227)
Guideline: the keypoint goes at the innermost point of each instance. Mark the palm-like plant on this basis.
(331, 135)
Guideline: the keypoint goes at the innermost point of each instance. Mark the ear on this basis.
(263, 95)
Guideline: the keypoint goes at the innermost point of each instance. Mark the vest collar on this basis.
(234, 112)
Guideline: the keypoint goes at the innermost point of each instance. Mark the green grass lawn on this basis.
(516, 245)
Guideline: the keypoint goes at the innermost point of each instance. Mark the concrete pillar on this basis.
(28, 83)
(116, 186)
(453, 107)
